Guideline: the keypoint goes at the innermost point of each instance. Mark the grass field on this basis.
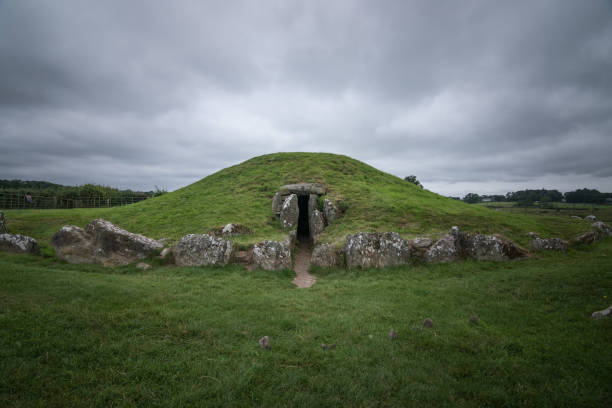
(602, 212)
(375, 201)
(88, 336)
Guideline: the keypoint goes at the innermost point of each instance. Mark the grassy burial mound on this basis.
(370, 200)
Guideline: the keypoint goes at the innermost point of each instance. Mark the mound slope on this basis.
(374, 201)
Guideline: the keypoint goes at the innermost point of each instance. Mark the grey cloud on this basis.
(145, 93)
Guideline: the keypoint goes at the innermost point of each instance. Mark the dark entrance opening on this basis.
(303, 229)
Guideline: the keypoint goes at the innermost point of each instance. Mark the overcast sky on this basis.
(469, 96)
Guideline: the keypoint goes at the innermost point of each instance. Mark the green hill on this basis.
(374, 201)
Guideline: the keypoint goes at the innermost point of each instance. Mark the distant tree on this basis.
(413, 180)
(531, 196)
(472, 198)
(585, 195)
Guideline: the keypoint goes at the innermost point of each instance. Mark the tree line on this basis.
(583, 195)
(526, 197)
(43, 194)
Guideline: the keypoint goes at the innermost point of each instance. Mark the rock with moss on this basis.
(103, 243)
(290, 213)
(587, 238)
(202, 250)
(420, 246)
(326, 256)
(74, 245)
(272, 255)
(376, 250)
(488, 248)
(446, 249)
(548, 244)
(19, 244)
(601, 230)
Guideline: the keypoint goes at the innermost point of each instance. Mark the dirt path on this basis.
(302, 260)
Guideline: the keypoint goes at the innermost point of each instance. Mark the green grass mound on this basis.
(374, 201)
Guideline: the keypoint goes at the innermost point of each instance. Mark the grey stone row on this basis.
(598, 231)
(385, 249)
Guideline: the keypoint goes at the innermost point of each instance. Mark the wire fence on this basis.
(10, 201)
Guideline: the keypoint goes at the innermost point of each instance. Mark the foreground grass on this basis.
(375, 201)
(87, 336)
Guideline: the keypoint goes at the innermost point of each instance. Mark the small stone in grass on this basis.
(392, 335)
(602, 313)
(143, 266)
(328, 346)
(474, 319)
(264, 343)
(428, 323)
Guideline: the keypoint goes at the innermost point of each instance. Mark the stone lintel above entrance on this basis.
(303, 188)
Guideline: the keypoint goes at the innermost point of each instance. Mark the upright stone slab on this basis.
(330, 211)
(316, 223)
(290, 213)
(19, 244)
(202, 250)
(2, 223)
(277, 203)
(272, 255)
(376, 250)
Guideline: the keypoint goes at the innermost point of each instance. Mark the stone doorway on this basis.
(303, 227)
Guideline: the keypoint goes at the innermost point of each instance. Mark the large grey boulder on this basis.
(19, 244)
(376, 250)
(116, 246)
(330, 211)
(102, 242)
(290, 213)
(548, 244)
(272, 255)
(202, 250)
(74, 245)
(325, 256)
(601, 229)
(590, 218)
(587, 238)
(420, 246)
(446, 249)
(2, 223)
(488, 248)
